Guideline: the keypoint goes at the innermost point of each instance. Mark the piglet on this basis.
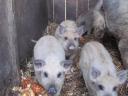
(93, 20)
(50, 65)
(68, 34)
(98, 70)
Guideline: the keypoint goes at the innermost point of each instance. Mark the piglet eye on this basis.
(115, 88)
(38, 64)
(46, 74)
(75, 38)
(65, 38)
(100, 87)
(59, 75)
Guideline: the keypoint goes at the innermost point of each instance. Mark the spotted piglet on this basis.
(68, 34)
(98, 70)
(50, 64)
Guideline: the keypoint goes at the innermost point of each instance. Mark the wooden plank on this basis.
(9, 75)
(16, 32)
(31, 19)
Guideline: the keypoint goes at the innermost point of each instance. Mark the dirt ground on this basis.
(74, 84)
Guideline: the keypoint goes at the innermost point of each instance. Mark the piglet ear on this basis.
(122, 76)
(81, 30)
(66, 64)
(62, 29)
(94, 73)
(38, 64)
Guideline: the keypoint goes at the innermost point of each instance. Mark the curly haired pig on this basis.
(116, 17)
(50, 64)
(93, 20)
(116, 21)
(68, 34)
(98, 70)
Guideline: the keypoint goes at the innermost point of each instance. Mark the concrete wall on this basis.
(74, 9)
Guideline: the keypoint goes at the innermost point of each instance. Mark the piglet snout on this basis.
(71, 47)
(107, 95)
(52, 90)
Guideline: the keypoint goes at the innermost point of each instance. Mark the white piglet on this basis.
(68, 34)
(50, 64)
(99, 72)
